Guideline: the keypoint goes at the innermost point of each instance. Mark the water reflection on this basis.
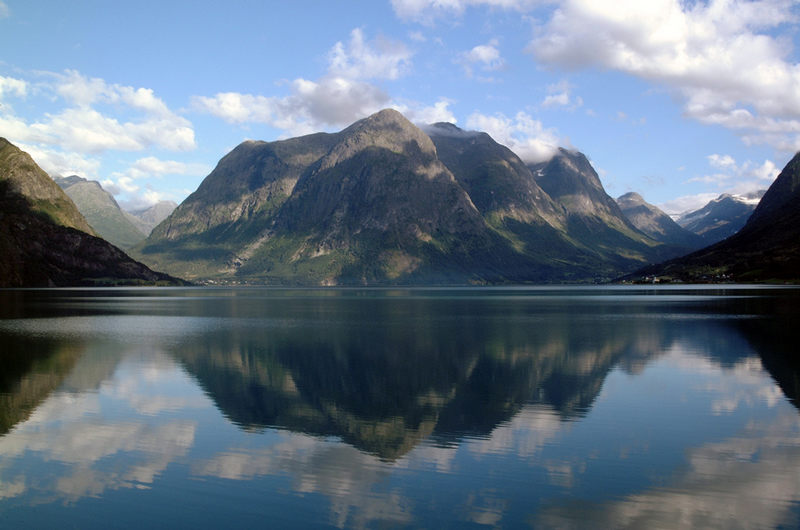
(404, 408)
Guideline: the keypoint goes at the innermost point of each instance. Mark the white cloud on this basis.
(10, 85)
(438, 112)
(486, 56)
(56, 162)
(87, 130)
(125, 182)
(152, 166)
(738, 177)
(717, 55)
(16, 130)
(334, 100)
(731, 177)
(83, 91)
(331, 101)
(687, 203)
(721, 161)
(527, 137)
(426, 11)
(382, 59)
(340, 97)
(136, 119)
(234, 107)
(560, 95)
(4, 12)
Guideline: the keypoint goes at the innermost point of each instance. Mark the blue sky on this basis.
(677, 100)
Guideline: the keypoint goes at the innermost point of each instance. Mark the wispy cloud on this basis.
(428, 11)
(559, 95)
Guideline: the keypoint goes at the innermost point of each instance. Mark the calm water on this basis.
(501, 407)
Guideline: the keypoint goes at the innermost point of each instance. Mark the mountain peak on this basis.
(387, 129)
(782, 194)
(66, 182)
(448, 129)
(631, 198)
(26, 179)
(656, 224)
(39, 241)
(766, 248)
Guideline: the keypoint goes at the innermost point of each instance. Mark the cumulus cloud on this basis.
(135, 120)
(382, 59)
(438, 112)
(125, 182)
(87, 130)
(721, 161)
(152, 166)
(486, 56)
(741, 177)
(10, 85)
(312, 105)
(728, 176)
(527, 137)
(55, 162)
(721, 57)
(343, 95)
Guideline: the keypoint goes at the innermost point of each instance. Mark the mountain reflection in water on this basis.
(543, 406)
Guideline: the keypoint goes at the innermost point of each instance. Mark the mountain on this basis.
(721, 217)
(657, 224)
(21, 177)
(383, 202)
(148, 218)
(101, 211)
(767, 248)
(45, 241)
(594, 221)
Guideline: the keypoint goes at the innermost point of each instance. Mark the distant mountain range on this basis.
(148, 218)
(117, 226)
(657, 224)
(767, 248)
(382, 202)
(721, 217)
(44, 239)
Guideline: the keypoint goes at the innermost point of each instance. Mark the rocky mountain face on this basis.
(721, 217)
(594, 221)
(23, 178)
(45, 241)
(101, 211)
(148, 218)
(657, 224)
(767, 248)
(383, 202)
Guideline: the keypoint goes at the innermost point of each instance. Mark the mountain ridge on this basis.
(720, 217)
(657, 224)
(766, 249)
(46, 242)
(101, 211)
(381, 202)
